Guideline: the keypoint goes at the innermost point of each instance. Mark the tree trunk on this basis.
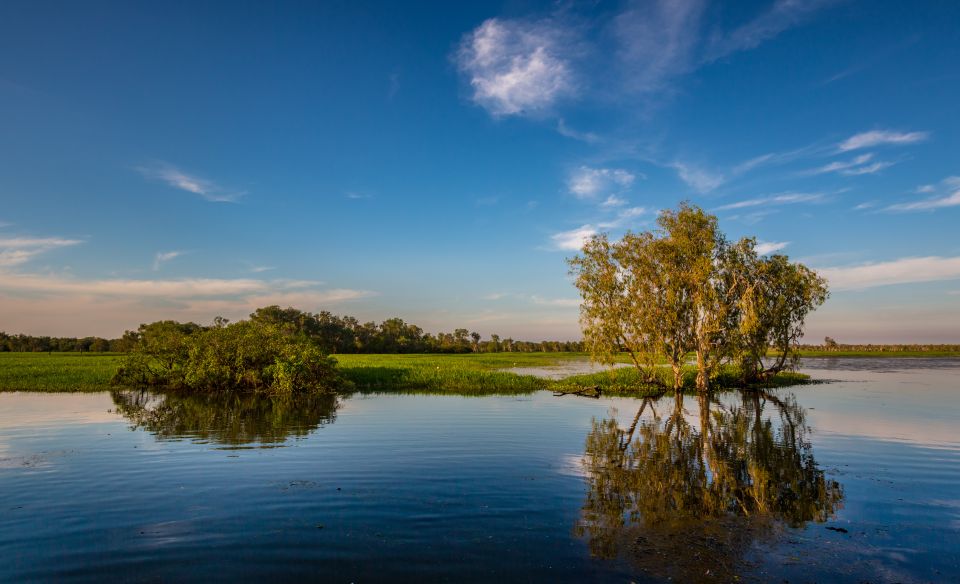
(703, 376)
(677, 375)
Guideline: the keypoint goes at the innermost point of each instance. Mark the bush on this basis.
(246, 355)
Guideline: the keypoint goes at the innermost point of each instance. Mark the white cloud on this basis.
(100, 303)
(516, 67)
(261, 269)
(60, 306)
(623, 217)
(782, 15)
(573, 239)
(781, 199)
(495, 296)
(163, 257)
(15, 251)
(951, 199)
(176, 178)
(838, 166)
(555, 301)
(586, 182)
(700, 180)
(900, 271)
(354, 195)
(658, 42)
(564, 130)
(853, 167)
(613, 201)
(879, 138)
(867, 169)
(768, 247)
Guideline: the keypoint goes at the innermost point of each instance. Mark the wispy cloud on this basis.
(564, 130)
(657, 42)
(33, 302)
(880, 138)
(768, 247)
(613, 201)
(856, 166)
(555, 301)
(586, 182)
(700, 180)
(15, 251)
(950, 199)
(573, 239)
(495, 296)
(529, 65)
(900, 271)
(261, 269)
(247, 291)
(624, 217)
(781, 199)
(516, 67)
(164, 257)
(179, 179)
(781, 16)
(355, 195)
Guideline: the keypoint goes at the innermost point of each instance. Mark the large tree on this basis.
(684, 290)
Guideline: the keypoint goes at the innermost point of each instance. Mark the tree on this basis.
(684, 289)
(774, 306)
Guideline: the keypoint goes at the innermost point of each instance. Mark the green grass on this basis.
(468, 374)
(57, 371)
(479, 374)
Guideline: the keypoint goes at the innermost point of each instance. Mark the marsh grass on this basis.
(56, 372)
(465, 374)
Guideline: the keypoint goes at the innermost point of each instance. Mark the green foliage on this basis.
(247, 355)
(684, 289)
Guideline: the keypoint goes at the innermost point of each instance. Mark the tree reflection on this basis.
(686, 501)
(226, 418)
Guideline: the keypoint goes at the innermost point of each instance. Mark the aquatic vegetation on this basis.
(246, 356)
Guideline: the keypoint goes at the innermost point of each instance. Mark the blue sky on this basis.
(438, 161)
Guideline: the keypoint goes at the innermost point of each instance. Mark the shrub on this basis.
(249, 356)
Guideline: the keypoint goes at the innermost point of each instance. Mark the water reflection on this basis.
(686, 497)
(225, 418)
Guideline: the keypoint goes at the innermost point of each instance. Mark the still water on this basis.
(855, 480)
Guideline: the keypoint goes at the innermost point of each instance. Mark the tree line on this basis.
(684, 290)
(331, 333)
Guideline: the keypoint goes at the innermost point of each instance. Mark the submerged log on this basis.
(593, 392)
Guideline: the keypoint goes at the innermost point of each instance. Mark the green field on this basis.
(57, 371)
(462, 374)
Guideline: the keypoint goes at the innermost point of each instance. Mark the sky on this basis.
(439, 161)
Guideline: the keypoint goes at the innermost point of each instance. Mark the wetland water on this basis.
(855, 480)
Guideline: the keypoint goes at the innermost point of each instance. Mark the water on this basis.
(860, 483)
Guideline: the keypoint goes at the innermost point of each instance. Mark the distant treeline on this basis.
(331, 333)
(831, 345)
(28, 343)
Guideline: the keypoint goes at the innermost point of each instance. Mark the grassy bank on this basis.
(57, 371)
(466, 374)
